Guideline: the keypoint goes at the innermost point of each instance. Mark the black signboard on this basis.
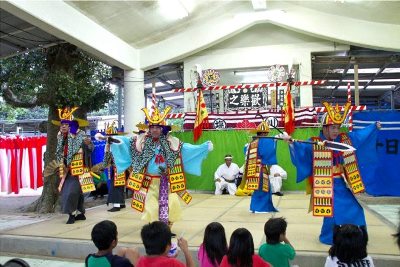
(245, 99)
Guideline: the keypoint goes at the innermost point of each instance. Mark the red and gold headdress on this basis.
(66, 116)
(263, 127)
(156, 118)
(333, 114)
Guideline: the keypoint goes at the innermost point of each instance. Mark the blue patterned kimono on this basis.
(346, 209)
(192, 157)
(262, 201)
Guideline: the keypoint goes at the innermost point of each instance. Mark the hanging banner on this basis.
(380, 173)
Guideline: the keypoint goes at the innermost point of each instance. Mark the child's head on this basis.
(214, 241)
(349, 243)
(273, 229)
(241, 248)
(104, 235)
(156, 237)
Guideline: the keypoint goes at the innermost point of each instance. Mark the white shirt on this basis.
(227, 173)
(334, 262)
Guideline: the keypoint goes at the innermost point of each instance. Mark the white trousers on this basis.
(221, 185)
(276, 183)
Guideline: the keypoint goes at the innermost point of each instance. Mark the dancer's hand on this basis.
(210, 146)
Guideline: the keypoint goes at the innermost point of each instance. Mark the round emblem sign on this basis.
(273, 121)
(210, 77)
(219, 124)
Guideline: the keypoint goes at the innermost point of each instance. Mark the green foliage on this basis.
(57, 76)
(23, 73)
(9, 113)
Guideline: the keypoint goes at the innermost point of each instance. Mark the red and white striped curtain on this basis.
(21, 162)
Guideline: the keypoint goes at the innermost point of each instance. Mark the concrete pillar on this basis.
(133, 99)
(306, 93)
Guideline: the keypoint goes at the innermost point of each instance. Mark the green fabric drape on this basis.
(233, 142)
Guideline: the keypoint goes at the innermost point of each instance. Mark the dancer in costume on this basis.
(159, 163)
(117, 180)
(75, 179)
(334, 175)
(117, 183)
(261, 155)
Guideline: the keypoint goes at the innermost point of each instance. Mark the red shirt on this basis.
(157, 261)
(257, 262)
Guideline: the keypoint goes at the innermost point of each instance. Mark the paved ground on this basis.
(50, 231)
(44, 261)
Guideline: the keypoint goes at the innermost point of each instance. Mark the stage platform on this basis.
(52, 237)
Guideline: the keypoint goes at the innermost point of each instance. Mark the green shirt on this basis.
(277, 254)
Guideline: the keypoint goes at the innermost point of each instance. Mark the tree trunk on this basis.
(47, 202)
(59, 58)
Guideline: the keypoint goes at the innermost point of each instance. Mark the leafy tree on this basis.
(55, 77)
(10, 113)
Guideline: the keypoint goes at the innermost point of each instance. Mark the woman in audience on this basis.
(349, 247)
(241, 251)
(214, 246)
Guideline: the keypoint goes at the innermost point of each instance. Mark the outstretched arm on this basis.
(122, 153)
(301, 155)
(193, 156)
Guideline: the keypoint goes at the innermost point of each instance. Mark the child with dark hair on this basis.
(156, 237)
(105, 238)
(397, 235)
(214, 246)
(241, 251)
(349, 247)
(273, 250)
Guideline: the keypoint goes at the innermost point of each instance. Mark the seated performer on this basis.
(276, 176)
(225, 176)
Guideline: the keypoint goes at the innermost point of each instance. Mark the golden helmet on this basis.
(333, 114)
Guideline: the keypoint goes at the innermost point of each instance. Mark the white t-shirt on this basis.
(334, 262)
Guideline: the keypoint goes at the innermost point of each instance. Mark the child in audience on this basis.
(349, 247)
(273, 250)
(397, 235)
(156, 237)
(214, 246)
(105, 238)
(241, 251)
